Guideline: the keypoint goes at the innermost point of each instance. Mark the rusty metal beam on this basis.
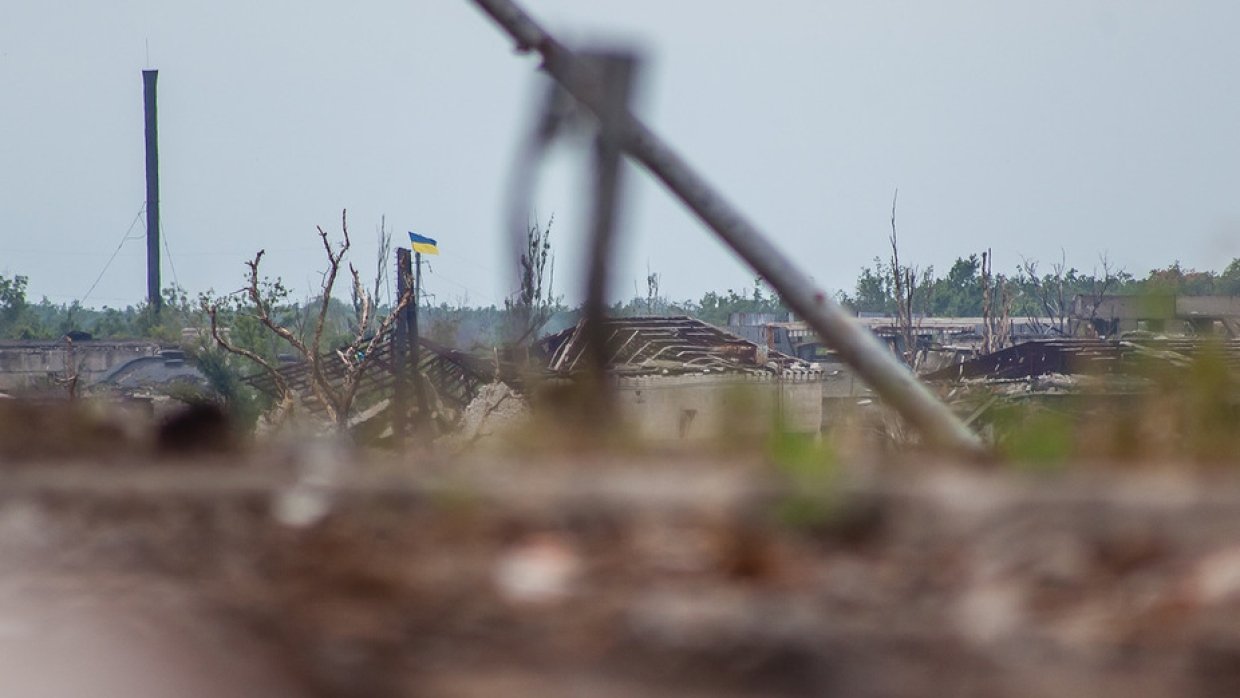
(888, 377)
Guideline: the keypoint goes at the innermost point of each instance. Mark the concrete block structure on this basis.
(33, 364)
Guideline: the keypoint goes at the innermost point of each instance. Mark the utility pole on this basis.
(407, 348)
(400, 349)
(153, 296)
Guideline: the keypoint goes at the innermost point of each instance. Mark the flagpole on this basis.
(418, 391)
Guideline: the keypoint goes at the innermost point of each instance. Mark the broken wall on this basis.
(25, 365)
(703, 407)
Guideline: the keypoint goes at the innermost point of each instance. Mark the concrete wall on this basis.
(702, 407)
(1207, 306)
(28, 365)
(1127, 307)
(1155, 307)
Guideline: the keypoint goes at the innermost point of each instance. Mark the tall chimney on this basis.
(152, 191)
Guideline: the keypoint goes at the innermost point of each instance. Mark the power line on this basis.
(124, 238)
(167, 252)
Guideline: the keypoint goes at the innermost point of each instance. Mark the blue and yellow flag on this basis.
(423, 244)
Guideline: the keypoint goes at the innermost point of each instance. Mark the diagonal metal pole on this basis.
(892, 380)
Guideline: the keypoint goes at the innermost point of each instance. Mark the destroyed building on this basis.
(1078, 356)
(960, 335)
(32, 365)
(1114, 315)
(675, 378)
(678, 378)
(453, 379)
(943, 342)
(1081, 380)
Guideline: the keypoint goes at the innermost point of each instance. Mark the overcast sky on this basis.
(1027, 127)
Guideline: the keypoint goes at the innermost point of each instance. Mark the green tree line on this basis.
(956, 293)
(959, 292)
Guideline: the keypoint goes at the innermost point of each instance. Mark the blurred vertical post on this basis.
(616, 69)
(152, 190)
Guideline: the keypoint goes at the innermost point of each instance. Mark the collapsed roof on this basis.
(167, 369)
(678, 344)
(635, 346)
(455, 375)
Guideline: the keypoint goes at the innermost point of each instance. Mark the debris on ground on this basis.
(496, 410)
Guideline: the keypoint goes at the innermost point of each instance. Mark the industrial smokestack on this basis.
(152, 191)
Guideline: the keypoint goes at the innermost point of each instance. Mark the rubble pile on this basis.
(497, 409)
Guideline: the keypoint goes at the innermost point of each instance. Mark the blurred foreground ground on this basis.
(316, 572)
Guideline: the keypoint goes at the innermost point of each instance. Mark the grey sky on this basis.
(1023, 126)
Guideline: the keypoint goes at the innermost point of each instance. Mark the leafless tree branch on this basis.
(904, 285)
(212, 311)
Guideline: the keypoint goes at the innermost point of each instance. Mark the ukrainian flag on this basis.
(422, 244)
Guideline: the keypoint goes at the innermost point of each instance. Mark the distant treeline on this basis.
(451, 325)
(44, 320)
(1028, 291)
(959, 292)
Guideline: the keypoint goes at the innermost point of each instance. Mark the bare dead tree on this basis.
(904, 286)
(72, 369)
(1099, 287)
(1004, 327)
(284, 400)
(532, 305)
(1051, 291)
(987, 328)
(382, 259)
(1065, 298)
(996, 307)
(653, 299)
(335, 396)
(1055, 295)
